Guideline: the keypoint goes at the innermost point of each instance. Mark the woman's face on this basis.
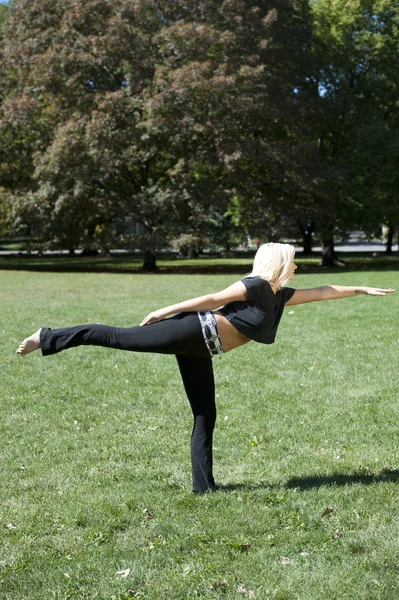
(292, 268)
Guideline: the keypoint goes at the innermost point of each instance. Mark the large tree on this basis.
(355, 77)
(164, 111)
(375, 160)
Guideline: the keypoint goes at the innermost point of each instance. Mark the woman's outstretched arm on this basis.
(334, 292)
(236, 291)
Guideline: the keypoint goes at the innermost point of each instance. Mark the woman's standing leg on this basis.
(197, 375)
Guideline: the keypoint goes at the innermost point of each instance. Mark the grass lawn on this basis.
(96, 481)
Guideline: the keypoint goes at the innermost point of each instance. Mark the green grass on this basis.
(94, 480)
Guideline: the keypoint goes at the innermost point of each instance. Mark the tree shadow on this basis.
(341, 479)
(309, 482)
(132, 264)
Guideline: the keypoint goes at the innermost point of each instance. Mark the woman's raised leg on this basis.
(178, 335)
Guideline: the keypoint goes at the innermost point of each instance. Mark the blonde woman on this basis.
(201, 328)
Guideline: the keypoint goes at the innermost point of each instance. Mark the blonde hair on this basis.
(272, 262)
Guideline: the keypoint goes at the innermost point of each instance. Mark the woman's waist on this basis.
(229, 335)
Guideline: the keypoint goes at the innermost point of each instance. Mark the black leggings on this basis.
(180, 335)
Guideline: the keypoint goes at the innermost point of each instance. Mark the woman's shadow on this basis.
(308, 482)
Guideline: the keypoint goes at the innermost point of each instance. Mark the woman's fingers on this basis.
(153, 317)
(380, 291)
(388, 291)
(146, 320)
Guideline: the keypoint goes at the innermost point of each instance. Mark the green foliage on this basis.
(160, 114)
(355, 48)
(4, 211)
(213, 119)
(3, 17)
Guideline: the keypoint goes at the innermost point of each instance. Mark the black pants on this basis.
(180, 335)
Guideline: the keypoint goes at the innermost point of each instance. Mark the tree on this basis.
(4, 206)
(376, 179)
(356, 75)
(68, 65)
(161, 111)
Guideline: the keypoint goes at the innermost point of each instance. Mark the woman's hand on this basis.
(155, 316)
(369, 291)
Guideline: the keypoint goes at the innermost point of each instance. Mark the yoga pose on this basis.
(201, 328)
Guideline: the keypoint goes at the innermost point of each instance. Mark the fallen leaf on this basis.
(327, 511)
(245, 547)
(285, 561)
(124, 573)
(219, 585)
(337, 534)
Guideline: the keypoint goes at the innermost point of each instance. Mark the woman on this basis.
(249, 309)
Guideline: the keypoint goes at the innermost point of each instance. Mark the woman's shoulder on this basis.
(256, 285)
(285, 294)
(255, 279)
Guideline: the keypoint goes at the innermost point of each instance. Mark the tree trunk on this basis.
(329, 257)
(327, 252)
(192, 252)
(150, 261)
(89, 251)
(307, 236)
(391, 231)
(89, 245)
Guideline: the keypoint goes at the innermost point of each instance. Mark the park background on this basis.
(146, 149)
(193, 126)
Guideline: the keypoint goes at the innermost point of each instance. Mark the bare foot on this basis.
(30, 344)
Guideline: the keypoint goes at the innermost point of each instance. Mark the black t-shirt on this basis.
(258, 316)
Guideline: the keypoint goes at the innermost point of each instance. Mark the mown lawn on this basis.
(94, 450)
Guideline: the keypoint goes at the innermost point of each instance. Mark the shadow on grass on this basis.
(362, 261)
(340, 479)
(316, 481)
